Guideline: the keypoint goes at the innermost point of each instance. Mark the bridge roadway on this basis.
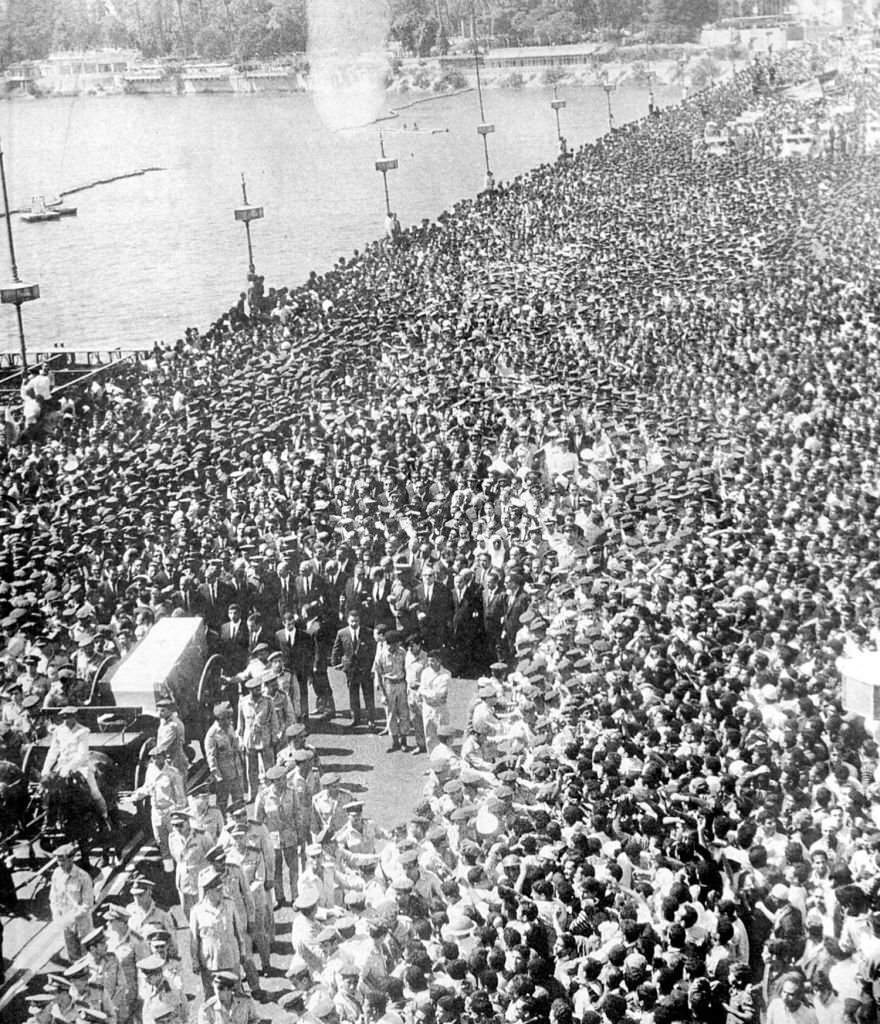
(390, 785)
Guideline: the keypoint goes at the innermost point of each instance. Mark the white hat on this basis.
(320, 1004)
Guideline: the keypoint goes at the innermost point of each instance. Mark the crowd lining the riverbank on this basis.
(640, 386)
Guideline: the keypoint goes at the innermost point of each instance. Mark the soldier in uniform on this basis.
(159, 944)
(282, 706)
(328, 815)
(324, 879)
(88, 992)
(304, 783)
(158, 998)
(203, 815)
(347, 999)
(227, 1005)
(188, 848)
(143, 912)
(120, 943)
(236, 889)
(39, 1008)
(71, 898)
(434, 688)
(356, 840)
(286, 685)
(69, 753)
(297, 739)
(304, 931)
(247, 855)
(63, 1009)
(225, 757)
(104, 969)
(217, 931)
(257, 730)
(165, 787)
(171, 735)
(278, 809)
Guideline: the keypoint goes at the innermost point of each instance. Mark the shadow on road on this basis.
(334, 751)
(346, 767)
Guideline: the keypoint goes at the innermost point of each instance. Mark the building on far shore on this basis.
(566, 55)
(71, 73)
(20, 79)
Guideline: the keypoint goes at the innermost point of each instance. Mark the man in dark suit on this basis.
(297, 648)
(265, 587)
(378, 610)
(234, 642)
(241, 589)
(356, 593)
(494, 612)
(467, 621)
(353, 652)
(311, 588)
(517, 603)
(258, 632)
(335, 580)
(286, 597)
(402, 601)
(213, 598)
(433, 610)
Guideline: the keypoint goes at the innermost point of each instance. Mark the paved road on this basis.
(390, 784)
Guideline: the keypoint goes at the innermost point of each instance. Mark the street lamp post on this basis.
(246, 214)
(484, 128)
(15, 293)
(556, 105)
(383, 166)
(609, 89)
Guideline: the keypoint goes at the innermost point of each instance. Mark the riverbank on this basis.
(574, 65)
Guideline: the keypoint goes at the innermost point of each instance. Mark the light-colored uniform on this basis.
(171, 737)
(189, 857)
(164, 787)
(68, 753)
(71, 899)
(159, 999)
(241, 1011)
(434, 688)
(283, 818)
(255, 872)
(109, 974)
(141, 920)
(217, 939)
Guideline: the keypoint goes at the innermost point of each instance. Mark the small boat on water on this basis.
(43, 209)
(39, 212)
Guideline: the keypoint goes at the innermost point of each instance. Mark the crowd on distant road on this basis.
(606, 437)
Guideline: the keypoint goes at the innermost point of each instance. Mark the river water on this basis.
(150, 255)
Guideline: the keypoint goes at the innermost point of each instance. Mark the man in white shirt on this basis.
(69, 753)
(71, 899)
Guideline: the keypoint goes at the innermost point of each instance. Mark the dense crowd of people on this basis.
(604, 437)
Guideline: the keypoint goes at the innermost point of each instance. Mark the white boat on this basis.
(39, 212)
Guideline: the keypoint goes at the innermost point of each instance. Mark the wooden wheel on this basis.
(29, 767)
(208, 694)
(209, 683)
(100, 674)
(140, 776)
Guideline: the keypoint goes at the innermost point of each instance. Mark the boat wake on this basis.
(395, 112)
(95, 184)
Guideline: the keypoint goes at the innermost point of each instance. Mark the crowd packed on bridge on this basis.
(604, 437)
